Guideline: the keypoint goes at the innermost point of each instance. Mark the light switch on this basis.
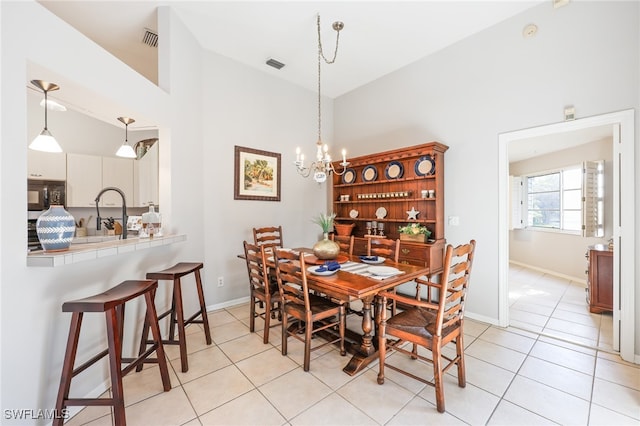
(454, 220)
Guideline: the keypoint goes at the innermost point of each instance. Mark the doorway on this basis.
(622, 129)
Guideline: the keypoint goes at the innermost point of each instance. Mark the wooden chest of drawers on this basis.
(599, 278)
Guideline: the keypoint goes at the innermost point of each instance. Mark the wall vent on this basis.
(150, 38)
(273, 63)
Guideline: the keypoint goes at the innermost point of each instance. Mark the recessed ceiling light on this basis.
(530, 30)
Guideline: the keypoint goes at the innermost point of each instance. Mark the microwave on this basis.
(43, 193)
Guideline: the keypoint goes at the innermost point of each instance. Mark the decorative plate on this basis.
(369, 174)
(353, 213)
(394, 170)
(323, 271)
(381, 213)
(383, 271)
(425, 165)
(349, 176)
(372, 260)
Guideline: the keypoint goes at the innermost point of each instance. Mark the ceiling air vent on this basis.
(150, 38)
(273, 63)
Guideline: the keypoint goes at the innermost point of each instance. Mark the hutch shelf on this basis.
(380, 192)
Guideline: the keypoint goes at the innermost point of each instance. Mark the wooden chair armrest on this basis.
(407, 300)
(428, 283)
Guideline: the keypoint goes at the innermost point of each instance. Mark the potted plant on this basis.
(414, 232)
(325, 248)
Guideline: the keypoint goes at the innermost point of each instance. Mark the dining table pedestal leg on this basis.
(367, 352)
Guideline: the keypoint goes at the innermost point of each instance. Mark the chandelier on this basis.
(322, 167)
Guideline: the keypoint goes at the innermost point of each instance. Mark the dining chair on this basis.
(304, 309)
(389, 248)
(262, 290)
(345, 242)
(384, 247)
(431, 325)
(270, 236)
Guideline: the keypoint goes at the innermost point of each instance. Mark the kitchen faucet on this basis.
(124, 210)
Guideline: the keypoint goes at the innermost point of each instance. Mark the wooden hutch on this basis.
(599, 278)
(384, 187)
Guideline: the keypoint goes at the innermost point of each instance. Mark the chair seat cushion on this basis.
(318, 304)
(417, 321)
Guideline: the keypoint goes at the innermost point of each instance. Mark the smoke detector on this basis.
(150, 38)
(530, 30)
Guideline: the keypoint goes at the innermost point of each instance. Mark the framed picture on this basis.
(257, 175)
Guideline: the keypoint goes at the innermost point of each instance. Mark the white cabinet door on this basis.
(46, 165)
(84, 179)
(146, 179)
(117, 172)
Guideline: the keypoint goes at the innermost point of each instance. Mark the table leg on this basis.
(366, 353)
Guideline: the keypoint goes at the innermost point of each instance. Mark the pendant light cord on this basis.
(336, 26)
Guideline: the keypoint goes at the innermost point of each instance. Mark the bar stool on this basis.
(177, 313)
(112, 303)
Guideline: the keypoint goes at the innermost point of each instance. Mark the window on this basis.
(567, 200)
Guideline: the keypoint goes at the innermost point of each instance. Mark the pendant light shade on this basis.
(45, 141)
(125, 149)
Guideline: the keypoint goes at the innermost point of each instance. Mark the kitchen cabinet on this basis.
(599, 278)
(46, 165)
(117, 172)
(84, 179)
(145, 179)
(383, 187)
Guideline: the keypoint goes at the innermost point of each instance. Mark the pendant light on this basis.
(125, 149)
(322, 167)
(45, 141)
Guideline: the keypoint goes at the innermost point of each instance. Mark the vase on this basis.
(326, 249)
(55, 229)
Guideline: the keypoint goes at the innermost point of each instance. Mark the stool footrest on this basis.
(89, 401)
(89, 363)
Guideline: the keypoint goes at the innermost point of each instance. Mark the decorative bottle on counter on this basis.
(55, 229)
(151, 223)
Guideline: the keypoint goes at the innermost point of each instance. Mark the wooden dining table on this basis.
(348, 286)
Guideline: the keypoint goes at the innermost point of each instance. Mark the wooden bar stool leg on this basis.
(172, 318)
(203, 307)
(67, 366)
(177, 297)
(115, 356)
(152, 319)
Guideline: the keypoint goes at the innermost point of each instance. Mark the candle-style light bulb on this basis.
(301, 160)
(297, 153)
(344, 155)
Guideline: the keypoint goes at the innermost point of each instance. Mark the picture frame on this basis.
(256, 174)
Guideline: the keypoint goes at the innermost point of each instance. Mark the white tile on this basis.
(615, 397)
(570, 381)
(509, 414)
(328, 369)
(485, 376)
(333, 410)
(266, 366)
(168, 408)
(294, 392)
(243, 347)
(502, 337)
(249, 409)
(470, 404)
(601, 416)
(570, 327)
(621, 374)
(565, 357)
(556, 405)
(496, 355)
(422, 412)
(380, 402)
(528, 317)
(200, 363)
(214, 389)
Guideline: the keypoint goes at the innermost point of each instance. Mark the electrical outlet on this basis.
(220, 282)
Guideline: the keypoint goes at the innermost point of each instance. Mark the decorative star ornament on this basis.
(413, 213)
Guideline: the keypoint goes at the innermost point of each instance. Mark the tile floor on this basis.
(514, 376)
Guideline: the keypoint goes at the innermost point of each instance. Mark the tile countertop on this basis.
(98, 247)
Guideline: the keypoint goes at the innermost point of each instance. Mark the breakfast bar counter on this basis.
(81, 252)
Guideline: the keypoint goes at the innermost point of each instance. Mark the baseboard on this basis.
(547, 271)
(228, 303)
(481, 318)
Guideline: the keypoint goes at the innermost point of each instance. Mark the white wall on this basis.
(553, 251)
(585, 54)
(244, 107)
